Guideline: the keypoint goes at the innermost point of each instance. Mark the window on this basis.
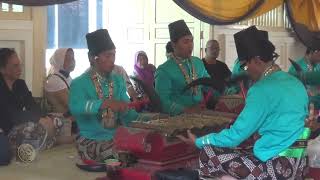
(68, 25)
(133, 25)
(14, 12)
(5, 7)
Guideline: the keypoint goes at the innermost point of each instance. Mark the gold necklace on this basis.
(107, 116)
(185, 74)
(271, 69)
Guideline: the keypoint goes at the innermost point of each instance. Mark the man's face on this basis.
(12, 70)
(315, 56)
(105, 61)
(212, 49)
(184, 47)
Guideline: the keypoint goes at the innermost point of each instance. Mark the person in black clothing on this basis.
(18, 109)
(214, 67)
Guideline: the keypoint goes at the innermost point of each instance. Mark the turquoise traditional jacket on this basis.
(313, 90)
(170, 82)
(276, 107)
(84, 105)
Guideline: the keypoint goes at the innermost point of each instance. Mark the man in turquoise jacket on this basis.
(276, 108)
(179, 70)
(310, 63)
(98, 100)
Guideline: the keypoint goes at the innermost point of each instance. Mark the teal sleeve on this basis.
(245, 125)
(163, 88)
(129, 115)
(79, 102)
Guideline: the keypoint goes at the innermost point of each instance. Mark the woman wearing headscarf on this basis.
(59, 80)
(57, 89)
(143, 71)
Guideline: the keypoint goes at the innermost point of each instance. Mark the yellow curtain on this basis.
(267, 6)
(228, 10)
(306, 12)
(221, 12)
(304, 15)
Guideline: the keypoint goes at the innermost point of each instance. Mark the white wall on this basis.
(19, 35)
(27, 34)
(287, 45)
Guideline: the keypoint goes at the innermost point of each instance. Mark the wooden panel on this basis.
(160, 53)
(25, 15)
(128, 28)
(126, 12)
(163, 33)
(39, 15)
(135, 10)
(135, 34)
(168, 11)
(284, 44)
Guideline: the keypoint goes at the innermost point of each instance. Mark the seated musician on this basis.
(270, 110)
(180, 69)
(310, 63)
(214, 67)
(98, 100)
(18, 110)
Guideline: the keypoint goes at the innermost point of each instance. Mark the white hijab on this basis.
(54, 83)
(57, 60)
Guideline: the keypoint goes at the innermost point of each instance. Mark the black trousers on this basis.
(5, 150)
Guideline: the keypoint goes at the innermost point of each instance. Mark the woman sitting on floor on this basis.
(20, 117)
(58, 83)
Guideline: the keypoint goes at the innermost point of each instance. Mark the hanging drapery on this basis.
(304, 16)
(36, 2)
(222, 12)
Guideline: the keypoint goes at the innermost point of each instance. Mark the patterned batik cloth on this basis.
(35, 134)
(218, 162)
(89, 149)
